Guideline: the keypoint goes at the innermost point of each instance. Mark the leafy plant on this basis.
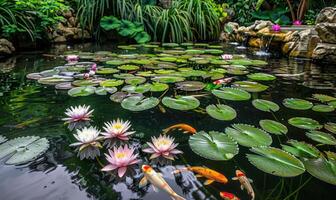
(277, 16)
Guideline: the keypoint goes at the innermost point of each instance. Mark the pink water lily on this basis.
(297, 22)
(79, 113)
(162, 146)
(72, 58)
(227, 56)
(276, 28)
(120, 159)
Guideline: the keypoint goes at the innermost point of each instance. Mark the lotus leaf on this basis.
(164, 71)
(168, 59)
(232, 94)
(167, 65)
(168, 79)
(250, 86)
(34, 76)
(136, 80)
(126, 47)
(107, 71)
(146, 73)
(170, 45)
(258, 62)
(64, 86)
(301, 149)
(141, 62)
(23, 149)
(273, 127)
(123, 75)
(128, 56)
(111, 83)
(54, 80)
(234, 71)
(265, 105)
(181, 102)
(150, 45)
(248, 135)
(297, 104)
(81, 91)
(190, 86)
(187, 44)
(321, 168)
(105, 90)
(116, 62)
(305, 123)
(213, 75)
(136, 103)
(215, 46)
(275, 161)
(159, 87)
(137, 88)
(193, 73)
(174, 52)
(213, 146)
(321, 137)
(323, 108)
(261, 77)
(201, 45)
(330, 127)
(50, 72)
(214, 51)
(128, 67)
(218, 62)
(332, 103)
(240, 62)
(118, 97)
(194, 51)
(85, 83)
(221, 112)
(323, 98)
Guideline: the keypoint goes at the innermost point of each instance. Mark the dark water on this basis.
(59, 174)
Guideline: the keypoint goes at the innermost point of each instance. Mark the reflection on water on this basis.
(28, 108)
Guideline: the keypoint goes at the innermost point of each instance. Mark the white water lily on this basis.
(117, 130)
(78, 113)
(163, 146)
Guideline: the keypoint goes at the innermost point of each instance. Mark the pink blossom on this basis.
(297, 22)
(276, 28)
(117, 129)
(227, 56)
(78, 114)
(72, 58)
(162, 146)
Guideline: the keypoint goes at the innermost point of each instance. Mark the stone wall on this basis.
(6, 48)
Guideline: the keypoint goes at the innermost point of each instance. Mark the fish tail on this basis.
(166, 130)
(177, 197)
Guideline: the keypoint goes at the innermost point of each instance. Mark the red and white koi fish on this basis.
(185, 127)
(222, 81)
(228, 196)
(157, 181)
(244, 183)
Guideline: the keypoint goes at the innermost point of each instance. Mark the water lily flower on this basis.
(297, 22)
(163, 146)
(78, 116)
(276, 28)
(87, 142)
(117, 130)
(120, 159)
(93, 67)
(227, 56)
(72, 58)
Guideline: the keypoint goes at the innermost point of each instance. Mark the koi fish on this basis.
(209, 174)
(228, 196)
(244, 183)
(185, 127)
(222, 81)
(157, 181)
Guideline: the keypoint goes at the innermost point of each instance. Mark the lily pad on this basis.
(137, 88)
(232, 94)
(104, 71)
(23, 149)
(118, 97)
(214, 51)
(301, 149)
(330, 127)
(275, 161)
(305, 123)
(181, 102)
(297, 104)
(218, 62)
(261, 77)
(323, 108)
(248, 135)
(238, 72)
(273, 127)
(2, 139)
(332, 103)
(321, 137)
(105, 90)
(136, 103)
(221, 112)
(159, 87)
(240, 62)
(54, 80)
(190, 86)
(323, 98)
(128, 67)
(81, 83)
(250, 86)
(115, 62)
(265, 105)
(111, 83)
(213, 146)
(194, 51)
(123, 76)
(322, 168)
(170, 45)
(136, 80)
(81, 91)
(168, 79)
(64, 86)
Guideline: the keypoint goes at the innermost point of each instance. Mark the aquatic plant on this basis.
(162, 146)
(120, 159)
(72, 58)
(78, 116)
(116, 130)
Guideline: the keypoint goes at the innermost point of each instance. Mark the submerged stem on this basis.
(99, 162)
(298, 189)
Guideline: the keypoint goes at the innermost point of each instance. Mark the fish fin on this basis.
(180, 129)
(241, 187)
(143, 182)
(177, 197)
(250, 180)
(198, 176)
(234, 178)
(165, 131)
(155, 188)
(185, 132)
(160, 174)
(208, 182)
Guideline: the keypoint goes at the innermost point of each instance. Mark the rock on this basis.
(327, 32)
(290, 35)
(6, 47)
(325, 52)
(259, 24)
(255, 42)
(60, 39)
(67, 14)
(229, 32)
(305, 43)
(288, 47)
(327, 15)
(231, 27)
(72, 21)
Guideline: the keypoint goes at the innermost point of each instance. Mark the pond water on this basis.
(29, 108)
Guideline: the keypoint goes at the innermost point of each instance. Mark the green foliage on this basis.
(277, 16)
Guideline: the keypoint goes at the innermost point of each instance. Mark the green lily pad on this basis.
(54, 80)
(81, 83)
(201, 45)
(164, 71)
(190, 86)
(136, 80)
(181, 102)
(305, 123)
(137, 88)
(273, 127)
(321, 137)
(213, 146)
(126, 47)
(193, 73)
(232, 94)
(159, 87)
(265, 105)
(234, 71)
(261, 77)
(301, 149)
(275, 161)
(297, 104)
(136, 103)
(221, 112)
(250, 86)
(123, 76)
(323, 108)
(258, 62)
(170, 45)
(49, 73)
(322, 168)
(323, 98)
(214, 51)
(332, 103)
(330, 127)
(104, 71)
(116, 62)
(168, 59)
(23, 149)
(118, 97)
(248, 135)
(111, 83)
(218, 62)
(105, 90)
(194, 51)
(128, 67)
(240, 62)
(145, 73)
(81, 91)
(141, 62)
(168, 79)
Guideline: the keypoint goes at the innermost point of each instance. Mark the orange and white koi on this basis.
(209, 174)
(157, 181)
(228, 196)
(223, 81)
(185, 127)
(244, 183)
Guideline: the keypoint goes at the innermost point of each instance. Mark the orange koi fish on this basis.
(244, 183)
(209, 174)
(228, 196)
(157, 181)
(223, 81)
(185, 127)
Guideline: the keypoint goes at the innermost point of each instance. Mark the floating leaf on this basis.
(136, 103)
(332, 103)
(330, 127)
(170, 45)
(232, 94)
(214, 51)
(301, 149)
(321, 137)
(158, 87)
(105, 90)
(213, 146)
(250, 86)
(261, 77)
(128, 67)
(116, 62)
(137, 88)
(240, 62)
(136, 80)
(297, 104)
(168, 79)
(104, 71)
(194, 51)
(23, 149)
(248, 135)
(323, 108)
(221, 112)
(111, 83)
(2, 139)
(273, 127)
(321, 168)
(54, 80)
(323, 98)
(181, 102)
(305, 123)
(168, 59)
(118, 97)
(275, 161)
(218, 62)
(81, 91)
(265, 105)
(80, 83)
(190, 86)
(123, 76)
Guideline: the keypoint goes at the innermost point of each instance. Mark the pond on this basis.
(29, 108)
